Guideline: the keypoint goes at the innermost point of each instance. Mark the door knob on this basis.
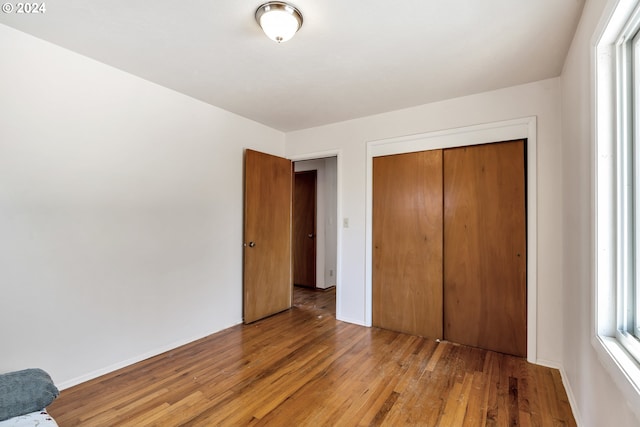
(252, 244)
(310, 236)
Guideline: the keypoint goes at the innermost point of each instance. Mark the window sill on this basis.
(622, 368)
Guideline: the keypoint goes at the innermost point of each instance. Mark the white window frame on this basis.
(615, 238)
(627, 168)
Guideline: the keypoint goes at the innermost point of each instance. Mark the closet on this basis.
(449, 245)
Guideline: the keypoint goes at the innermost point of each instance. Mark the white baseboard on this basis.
(570, 396)
(567, 387)
(548, 364)
(111, 368)
(354, 321)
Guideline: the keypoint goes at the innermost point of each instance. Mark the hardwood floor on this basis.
(302, 367)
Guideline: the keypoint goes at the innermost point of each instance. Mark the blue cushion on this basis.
(25, 391)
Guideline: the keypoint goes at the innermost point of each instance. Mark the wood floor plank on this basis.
(303, 367)
(477, 405)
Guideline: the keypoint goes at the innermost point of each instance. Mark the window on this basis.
(628, 190)
(617, 190)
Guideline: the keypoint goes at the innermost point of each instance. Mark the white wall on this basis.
(331, 221)
(598, 401)
(541, 99)
(120, 213)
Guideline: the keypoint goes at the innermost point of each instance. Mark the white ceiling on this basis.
(351, 58)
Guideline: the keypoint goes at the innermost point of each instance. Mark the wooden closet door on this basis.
(485, 292)
(407, 243)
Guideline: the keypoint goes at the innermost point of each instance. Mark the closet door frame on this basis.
(523, 128)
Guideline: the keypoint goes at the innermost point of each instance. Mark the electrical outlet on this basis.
(345, 222)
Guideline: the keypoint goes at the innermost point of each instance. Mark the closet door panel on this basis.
(407, 243)
(485, 301)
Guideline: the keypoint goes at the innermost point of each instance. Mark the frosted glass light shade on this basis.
(279, 20)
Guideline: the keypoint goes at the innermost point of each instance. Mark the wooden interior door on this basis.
(267, 235)
(407, 243)
(304, 228)
(485, 292)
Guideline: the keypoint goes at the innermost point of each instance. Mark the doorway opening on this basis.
(315, 226)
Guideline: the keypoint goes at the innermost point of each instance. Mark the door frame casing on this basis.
(522, 128)
(338, 155)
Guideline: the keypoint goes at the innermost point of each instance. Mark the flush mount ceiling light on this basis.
(279, 20)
